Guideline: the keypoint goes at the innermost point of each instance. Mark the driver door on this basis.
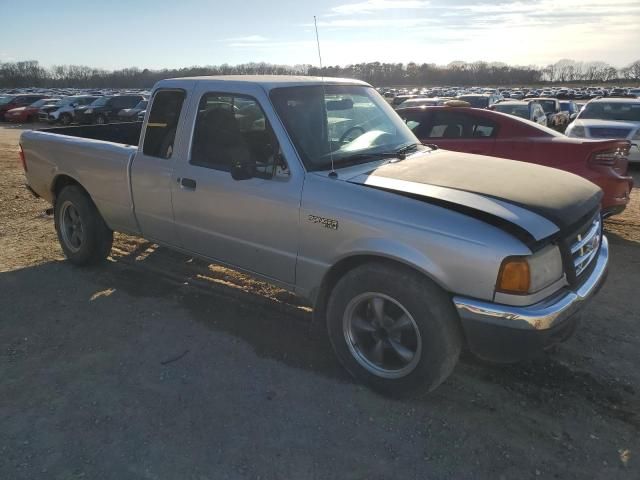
(248, 223)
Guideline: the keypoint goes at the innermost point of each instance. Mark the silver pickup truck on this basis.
(409, 253)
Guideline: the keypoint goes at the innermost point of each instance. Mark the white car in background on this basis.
(64, 114)
(615, 118)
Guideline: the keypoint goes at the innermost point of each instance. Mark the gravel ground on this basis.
(158, 366)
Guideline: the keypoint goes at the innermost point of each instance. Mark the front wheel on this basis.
(393, 329)
(101, 120)
(66, 119)
(82, 233)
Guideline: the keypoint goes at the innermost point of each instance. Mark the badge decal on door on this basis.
(325, 222)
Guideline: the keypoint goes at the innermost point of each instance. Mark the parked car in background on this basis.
(428, 102)
(498, 135)
(105, 109)
(51, 105)
(634, 92)
(28, 113)
(528, 110)
(610, 118)
(9, 102)
(556, 118)
(480, 100)
(571, 107)
(64, 111)
(131, 114)
(398, 99)
(618, 92)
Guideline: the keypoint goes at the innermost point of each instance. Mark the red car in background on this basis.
(28, 113)
(486, 132)
(9, 102)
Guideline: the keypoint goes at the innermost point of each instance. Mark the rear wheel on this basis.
(393, 329)
(82, 233)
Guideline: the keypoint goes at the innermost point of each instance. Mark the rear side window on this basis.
(163, 123)
(456, 124)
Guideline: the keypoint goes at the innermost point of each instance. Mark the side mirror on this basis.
(243, 171)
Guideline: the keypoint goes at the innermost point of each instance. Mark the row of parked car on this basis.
(82, 109)
(550, 112)
(612, 126)
(563, 93)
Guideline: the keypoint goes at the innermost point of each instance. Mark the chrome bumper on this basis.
(548, 314)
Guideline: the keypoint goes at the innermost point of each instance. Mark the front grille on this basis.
(600, 132)
(585, 244)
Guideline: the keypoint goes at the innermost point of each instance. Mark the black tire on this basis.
(66, 119)
(88, 244)
(101, 120)
(434, 326)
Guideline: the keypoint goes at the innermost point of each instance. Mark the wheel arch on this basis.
(346, 264)
(64, 180)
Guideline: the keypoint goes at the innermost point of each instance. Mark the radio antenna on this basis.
(333, 173)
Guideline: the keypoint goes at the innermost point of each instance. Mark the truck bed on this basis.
(98, 157)
(124, 133)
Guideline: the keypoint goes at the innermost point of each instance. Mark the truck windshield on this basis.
(339, 122)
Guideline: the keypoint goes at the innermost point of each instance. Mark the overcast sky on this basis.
(155, 34)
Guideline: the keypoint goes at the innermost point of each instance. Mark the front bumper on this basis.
(507, 333)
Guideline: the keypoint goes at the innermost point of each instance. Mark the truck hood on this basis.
(533, 198)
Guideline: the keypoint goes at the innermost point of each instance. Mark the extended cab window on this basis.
(232, 130)
(456, 124)
(163, 123)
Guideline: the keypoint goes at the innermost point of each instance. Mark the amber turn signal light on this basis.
(514, 276)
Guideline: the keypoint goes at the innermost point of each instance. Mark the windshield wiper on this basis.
(399, 153)
(357, 158)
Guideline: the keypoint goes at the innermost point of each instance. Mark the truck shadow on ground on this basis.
(279, 326)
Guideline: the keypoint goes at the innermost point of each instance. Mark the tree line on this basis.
(32, 74)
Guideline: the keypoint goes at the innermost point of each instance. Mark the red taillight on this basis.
(23, 160)
(609, 157)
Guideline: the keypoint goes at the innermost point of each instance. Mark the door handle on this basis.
(188, 183)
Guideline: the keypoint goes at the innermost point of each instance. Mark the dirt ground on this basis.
(158, 366)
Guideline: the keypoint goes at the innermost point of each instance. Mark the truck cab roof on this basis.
(268, 82)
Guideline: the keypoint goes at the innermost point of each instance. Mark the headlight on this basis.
(524, 275)
(576, 131)
(89, 110)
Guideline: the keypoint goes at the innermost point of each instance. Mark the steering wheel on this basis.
(345, 135)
